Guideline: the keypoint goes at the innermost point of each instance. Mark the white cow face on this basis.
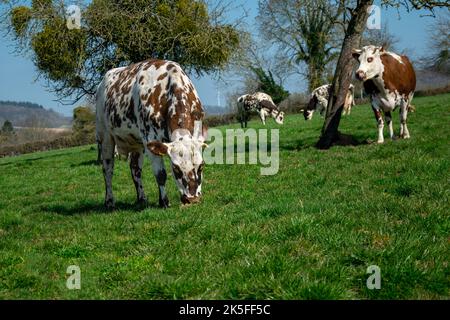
(280, 117)
(185, 153)
(370, 65)
(308, 114)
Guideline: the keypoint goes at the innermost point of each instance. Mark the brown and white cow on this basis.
(390, 81)
(261, 103)
(151, 108)
(318, 101)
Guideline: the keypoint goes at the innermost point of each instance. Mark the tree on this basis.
(439, 43)
(343, 72)
(262, 68)
(118, 32)
(7, 128)
(305, 30)
(267, 84)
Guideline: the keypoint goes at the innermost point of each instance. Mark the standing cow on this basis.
(151, 108)
(261, 103)
(319, 101)
(390, 81)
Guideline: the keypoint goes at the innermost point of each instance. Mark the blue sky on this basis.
(19, 82)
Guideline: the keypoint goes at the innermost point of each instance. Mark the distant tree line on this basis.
(30, 105)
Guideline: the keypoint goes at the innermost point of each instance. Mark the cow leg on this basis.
(99, 153)
(161, 176)
(322, 110)
(262, 115)
(323, 103)
(136, 161)
(107, 147)
(347, 109)
(388, 118)
(380, 122)
(404, 133)
(308, 114)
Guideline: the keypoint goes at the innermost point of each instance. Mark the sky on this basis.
(18, 76)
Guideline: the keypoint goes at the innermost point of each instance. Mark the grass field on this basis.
(309, 232)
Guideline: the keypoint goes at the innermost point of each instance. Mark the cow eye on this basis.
(369, 59)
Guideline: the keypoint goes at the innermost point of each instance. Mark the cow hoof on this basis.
(109, 205)
(142, 203)
(380, 141)
(164, 203)
(393, 138)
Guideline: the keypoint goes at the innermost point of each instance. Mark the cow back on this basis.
(398, 76)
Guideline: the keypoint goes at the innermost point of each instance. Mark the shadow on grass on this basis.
(21, 162)
(349, 140)
(86, 163)
(344, 140)
(297, 145)
(95, 207)
(13, 159)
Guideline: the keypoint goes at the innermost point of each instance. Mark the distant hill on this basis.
(429, 79)
(28, 114)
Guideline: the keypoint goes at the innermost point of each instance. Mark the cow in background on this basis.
(319, 101)
(261, 103)
(390, 81)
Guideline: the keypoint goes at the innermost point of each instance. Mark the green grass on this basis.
(309, 232)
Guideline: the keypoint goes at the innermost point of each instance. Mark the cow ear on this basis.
(158, 148)
(356, 53)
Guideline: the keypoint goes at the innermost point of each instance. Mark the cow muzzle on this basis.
(189, 200)
(360, 75)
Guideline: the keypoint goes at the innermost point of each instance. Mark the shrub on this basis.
(84, 125)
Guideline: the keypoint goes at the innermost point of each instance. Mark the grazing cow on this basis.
(261, 103)
(390, 81)
(319, 101)
(151, 107)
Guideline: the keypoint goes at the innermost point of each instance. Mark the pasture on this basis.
(308, 232)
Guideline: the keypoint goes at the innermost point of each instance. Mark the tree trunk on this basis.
(315, 76)
(343, 74)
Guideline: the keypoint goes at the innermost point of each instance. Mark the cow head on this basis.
(185, 153)
(241, 99)
(279, 117)
(310, 108)
(370, 64)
